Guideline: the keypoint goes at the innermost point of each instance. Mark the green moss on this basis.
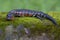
(36, 25)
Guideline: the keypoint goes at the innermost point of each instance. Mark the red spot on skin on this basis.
(20, 13)
(16, 13)
(26, 14)
(12, 18)
(30, 14)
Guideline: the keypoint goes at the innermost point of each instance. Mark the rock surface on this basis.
(16, 34)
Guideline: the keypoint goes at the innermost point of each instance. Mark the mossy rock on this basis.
(35, 24)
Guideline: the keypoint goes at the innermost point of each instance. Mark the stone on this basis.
(15, 36)
(1, 32)
(20, 29)
(27, 31)
(8, 32)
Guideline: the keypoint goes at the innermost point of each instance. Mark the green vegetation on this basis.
(39, 25)
(42, 5)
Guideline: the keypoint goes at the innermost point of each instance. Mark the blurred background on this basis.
(41, 5)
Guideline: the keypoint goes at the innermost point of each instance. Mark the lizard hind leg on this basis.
(39, 17)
